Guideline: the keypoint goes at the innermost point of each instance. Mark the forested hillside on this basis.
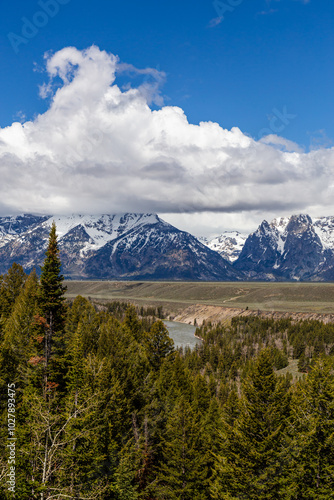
(106, 408)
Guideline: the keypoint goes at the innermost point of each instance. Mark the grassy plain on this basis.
(286, 297)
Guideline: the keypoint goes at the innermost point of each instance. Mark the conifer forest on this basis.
(98, 403)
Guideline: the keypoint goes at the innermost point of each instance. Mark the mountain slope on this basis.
(143, 246)
(289, 248)
(125, 246)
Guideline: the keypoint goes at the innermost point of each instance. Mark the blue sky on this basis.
(264, 66)
(262, 56)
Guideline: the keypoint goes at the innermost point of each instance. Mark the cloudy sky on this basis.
(215, 115)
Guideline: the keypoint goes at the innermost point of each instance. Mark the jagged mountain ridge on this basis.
(122, 246)
(13, 226)
(290, 248)
(143, 246)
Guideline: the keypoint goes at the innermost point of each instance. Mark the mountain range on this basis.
(143, 247)
(124, 246)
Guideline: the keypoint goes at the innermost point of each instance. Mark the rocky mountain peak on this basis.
(299, 224)
(288, 248)
(143, 246)
(118, 246)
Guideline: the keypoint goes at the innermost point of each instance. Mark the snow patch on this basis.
(228, 245)
(324, 228)
(101, 229)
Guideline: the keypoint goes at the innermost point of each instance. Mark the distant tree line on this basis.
(107, 408)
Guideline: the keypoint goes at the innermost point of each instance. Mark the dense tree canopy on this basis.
(107, 408)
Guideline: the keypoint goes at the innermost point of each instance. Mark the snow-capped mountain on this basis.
(228, 245)
(122, 246)
(143, 246)
(293, 248)
(324, 227)
(12, 227)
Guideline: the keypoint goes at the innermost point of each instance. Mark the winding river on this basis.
(182, 334)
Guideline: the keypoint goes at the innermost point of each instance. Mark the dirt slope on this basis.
(200, 312)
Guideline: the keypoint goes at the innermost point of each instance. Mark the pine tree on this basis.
(52, 306)
(126, 486)
(249, 465)
(21, 352)
(60, 453)
(183, 472)
(310, 454)
(158, 344)
(10, 288)
(132, 323)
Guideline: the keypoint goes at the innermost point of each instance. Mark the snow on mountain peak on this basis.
(101, 229)
(120, 246)
(280, 223)
(324, 228)
(229, 244)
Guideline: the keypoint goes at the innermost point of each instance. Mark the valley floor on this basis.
(187, 301)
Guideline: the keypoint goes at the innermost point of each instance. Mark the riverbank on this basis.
(202, 301)
(315, 298)
(197, 313)
(182, 334)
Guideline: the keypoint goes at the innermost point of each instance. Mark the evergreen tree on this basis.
(10, 288)
(311, 452)
(249, 465)
(60, 450)
(52, 306)
(183, 472)
(132, 323)
(21, 350)
(75, 312)
(126, 487)
(158, 344)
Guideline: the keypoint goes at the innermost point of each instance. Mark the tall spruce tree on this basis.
(310, 453)
(52, 306)
(21, 352)
(183, 472)
(11, 285)
(249, 465)
(158, 344)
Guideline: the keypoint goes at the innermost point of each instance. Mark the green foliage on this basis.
(22, 355)
(51, 284)
(125, 476)
(311, 447)
(183, 471)
(107, 409)
(10, 287)
(158, 344)
(249, 464)
(132, 323)
(51, 303)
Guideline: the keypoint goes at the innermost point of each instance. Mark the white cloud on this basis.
(281, 143)
(102, 149)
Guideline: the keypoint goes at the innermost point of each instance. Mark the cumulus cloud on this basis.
(100, 148)
(281, 143)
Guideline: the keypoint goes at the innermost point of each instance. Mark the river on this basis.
(182, 334)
